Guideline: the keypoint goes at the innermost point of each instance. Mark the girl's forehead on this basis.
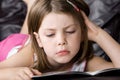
(57, 20)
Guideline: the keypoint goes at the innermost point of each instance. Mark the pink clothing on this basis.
(10, 42)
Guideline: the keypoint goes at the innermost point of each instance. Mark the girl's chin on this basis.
(63, 62)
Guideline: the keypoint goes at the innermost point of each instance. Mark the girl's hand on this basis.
(93, 29)
(20, 73)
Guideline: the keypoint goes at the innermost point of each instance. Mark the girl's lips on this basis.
(63, 52)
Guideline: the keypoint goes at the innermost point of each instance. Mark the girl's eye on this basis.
(50, 35)
(70, 32)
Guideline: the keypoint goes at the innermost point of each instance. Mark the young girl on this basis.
(60, 31)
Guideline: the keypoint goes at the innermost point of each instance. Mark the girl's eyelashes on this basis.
(73, 31)
(50, 35)
(70, 30)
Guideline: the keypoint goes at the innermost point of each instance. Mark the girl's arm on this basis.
(107, 43)
(19, 73)
(110, 46)
(24, 58)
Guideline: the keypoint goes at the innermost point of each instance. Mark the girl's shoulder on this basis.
(12, 44)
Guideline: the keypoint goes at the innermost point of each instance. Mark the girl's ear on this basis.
(38, 39)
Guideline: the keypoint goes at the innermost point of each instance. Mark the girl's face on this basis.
(60, 36)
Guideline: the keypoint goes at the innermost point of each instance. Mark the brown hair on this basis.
(43, 7)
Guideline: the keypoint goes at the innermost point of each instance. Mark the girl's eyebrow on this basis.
(49, 30)
(70, 25)
(52, 29)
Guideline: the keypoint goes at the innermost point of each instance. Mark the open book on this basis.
(107, 74)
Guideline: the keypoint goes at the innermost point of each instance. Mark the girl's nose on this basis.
(62, 43)
(62, 40)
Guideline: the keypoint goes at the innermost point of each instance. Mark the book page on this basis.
(94, 72)
(106, 72)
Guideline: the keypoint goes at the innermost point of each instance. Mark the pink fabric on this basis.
(10, 42)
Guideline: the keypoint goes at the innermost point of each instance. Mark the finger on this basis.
(24, 76)
(36, 72)
(84, 16)
(29, 72)
(87, 20)
(91, 26)
(18, 77)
